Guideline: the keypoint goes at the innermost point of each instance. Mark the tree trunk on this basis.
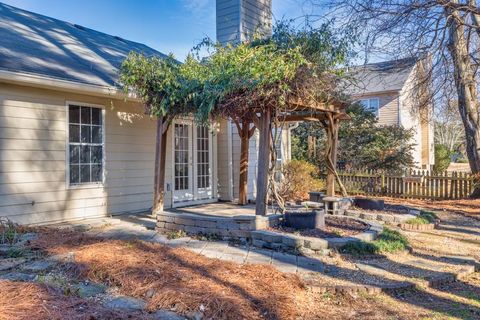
(263, 163)
(243, 180)
(160, 157)
(466, 86)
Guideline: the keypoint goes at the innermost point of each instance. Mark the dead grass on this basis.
(20, 300)
(469, 207)
(179, 279)
(455, 301)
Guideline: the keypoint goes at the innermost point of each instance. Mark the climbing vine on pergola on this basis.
(292, 76)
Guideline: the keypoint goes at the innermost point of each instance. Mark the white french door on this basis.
(193, 158)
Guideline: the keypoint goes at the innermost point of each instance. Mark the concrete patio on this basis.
(220, 209)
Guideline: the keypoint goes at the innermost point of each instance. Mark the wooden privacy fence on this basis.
(418, 184)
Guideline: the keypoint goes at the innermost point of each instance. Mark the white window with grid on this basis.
(371, 104)
(85, 145)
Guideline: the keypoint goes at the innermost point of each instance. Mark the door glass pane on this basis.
(203, 158)
(181, 157)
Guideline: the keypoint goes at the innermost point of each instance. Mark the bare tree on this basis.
(448, 32)
(449, 130)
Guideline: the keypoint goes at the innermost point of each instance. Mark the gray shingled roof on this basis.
(382, 76)
(35, 44)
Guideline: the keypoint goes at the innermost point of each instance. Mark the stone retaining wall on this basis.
(237, 227)
(291, 242)
(372, 216)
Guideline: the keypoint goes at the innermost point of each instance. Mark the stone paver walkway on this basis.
(406, 268)
(142, 227)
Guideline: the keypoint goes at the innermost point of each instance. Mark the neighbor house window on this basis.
(85, 137)
(371, 104)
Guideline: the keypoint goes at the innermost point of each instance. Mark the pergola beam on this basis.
(328, 114)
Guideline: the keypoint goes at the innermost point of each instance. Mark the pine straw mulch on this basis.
(178, 279)
(21, 300)
(334, 227)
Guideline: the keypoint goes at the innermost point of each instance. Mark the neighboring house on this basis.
(73, 146)
(393, 91)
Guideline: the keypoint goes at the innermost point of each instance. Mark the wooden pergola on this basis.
(328, 115)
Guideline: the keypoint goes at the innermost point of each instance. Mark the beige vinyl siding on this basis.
(388, 106)
(33, 187)
(224, 168)
(252, 163)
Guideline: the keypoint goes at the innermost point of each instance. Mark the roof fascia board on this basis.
(38, 81)
(370, 93)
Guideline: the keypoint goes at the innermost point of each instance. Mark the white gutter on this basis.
(43, 82)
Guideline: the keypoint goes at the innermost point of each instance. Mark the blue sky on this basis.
(166, 25)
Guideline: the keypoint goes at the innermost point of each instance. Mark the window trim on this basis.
(377, 111)
(89, 185)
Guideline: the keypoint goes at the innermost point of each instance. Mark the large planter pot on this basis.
(305, 219)
(316, 196)
(369, 204)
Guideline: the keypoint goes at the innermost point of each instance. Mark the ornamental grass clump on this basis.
(389, 241)
(425, 217)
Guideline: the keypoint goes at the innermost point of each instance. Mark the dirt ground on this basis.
(468, 207)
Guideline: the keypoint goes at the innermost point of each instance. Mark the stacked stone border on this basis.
(382, 217)
(290, 242)
(237, 227)
(418, 227)
(432, 282)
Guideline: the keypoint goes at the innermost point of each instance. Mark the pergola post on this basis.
(245, 133)
(243, 179)
(331, 129)
(263, 162)
(160, 158)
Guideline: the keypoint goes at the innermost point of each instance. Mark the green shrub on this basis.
(425, 217)
(389, 241)
(442, 158)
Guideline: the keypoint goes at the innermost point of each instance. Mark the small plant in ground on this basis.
(425, 217)
(15, 252)
(8, 231)
(59, 282)
(208, 237)
(389, 241)
(176, 234)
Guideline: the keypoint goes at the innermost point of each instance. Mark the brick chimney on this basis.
(239, 20)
